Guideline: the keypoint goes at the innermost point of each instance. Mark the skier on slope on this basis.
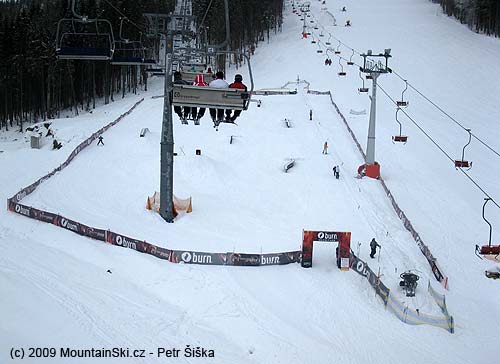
(325, 148)
(373, 247)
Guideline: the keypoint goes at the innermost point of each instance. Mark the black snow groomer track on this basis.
(492, 273)
(409, 283)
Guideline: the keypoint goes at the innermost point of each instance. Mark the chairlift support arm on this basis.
(465, 146)
(484, 218)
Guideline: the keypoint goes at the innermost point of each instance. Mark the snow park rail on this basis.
(402, 312)
(436, 269)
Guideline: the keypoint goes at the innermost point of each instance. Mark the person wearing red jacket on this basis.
(195, 113)
(239, 85)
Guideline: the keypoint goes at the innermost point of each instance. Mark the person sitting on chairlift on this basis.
(177, 109)
(195, 113)
(219, 82)
(239, 85)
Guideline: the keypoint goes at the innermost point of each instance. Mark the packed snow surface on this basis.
(56, 288)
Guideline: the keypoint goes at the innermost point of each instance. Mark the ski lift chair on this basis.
(149, 62)
(210, 97)
(342, 73)
(409, 283)
(127, 52)
(328, 41)
(350, 62)
(399, 138)
(464, 163)
(84, 39)
(194, 67)
(213, 98)
(362, 89)
(190, 76)
(491, 252)
(150, 57)
(402, 103)
(337, 51)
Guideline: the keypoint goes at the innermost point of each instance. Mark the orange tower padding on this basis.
(180, 204)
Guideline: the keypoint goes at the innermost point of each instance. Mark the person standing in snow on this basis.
(373, 247)
(336, 171)
(219, 82)
(325, 148)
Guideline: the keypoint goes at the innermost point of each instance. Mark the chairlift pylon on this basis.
(491, 252)
(402, 102)
(464, 163)
(81, 38)
(362, 89)
(399, 138)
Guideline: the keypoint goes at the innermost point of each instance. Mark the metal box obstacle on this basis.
(35, 141)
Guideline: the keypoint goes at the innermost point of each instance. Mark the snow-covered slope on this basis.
(56, 291)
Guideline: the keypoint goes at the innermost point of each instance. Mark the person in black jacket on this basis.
(373, 247)
(177, 109)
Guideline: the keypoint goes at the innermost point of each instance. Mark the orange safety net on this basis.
(180, 204)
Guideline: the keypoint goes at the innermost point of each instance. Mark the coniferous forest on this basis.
(482, 16)
(36, 86)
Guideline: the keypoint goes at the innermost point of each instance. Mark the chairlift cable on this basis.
(448, 115)
(206, 13)
(418, 126)
(438, 146)
(124, 16)
(427, 99)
